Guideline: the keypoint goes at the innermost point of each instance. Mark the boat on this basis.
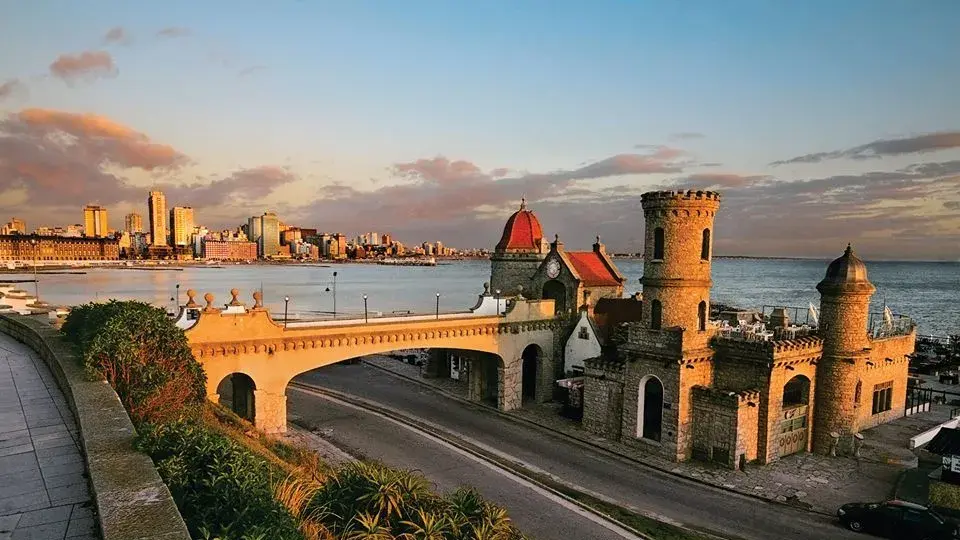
(409, 261)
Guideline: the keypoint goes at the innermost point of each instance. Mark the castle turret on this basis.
(845, 295)
(678, 251)
(519, 253)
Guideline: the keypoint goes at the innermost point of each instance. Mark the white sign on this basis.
(952, 463)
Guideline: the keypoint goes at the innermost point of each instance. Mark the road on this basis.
(694, 504)
(532, 509)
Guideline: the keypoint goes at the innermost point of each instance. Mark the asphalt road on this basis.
(684, 501)
(534, 512)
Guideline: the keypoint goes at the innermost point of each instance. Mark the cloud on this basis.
(246, 72)
(687, 135)
(720, 180)
(952, 205)
(59, 160)
(11, 88)
(117, 34)
(84, 66)
(930, 142)
(173, 32)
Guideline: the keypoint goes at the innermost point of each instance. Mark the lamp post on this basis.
(334, 294)
(365, 319)
(438, 305)
(36, 283)
(178, 298)
(498, 301)
(286, 305)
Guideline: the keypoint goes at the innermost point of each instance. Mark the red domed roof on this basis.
(522, 231)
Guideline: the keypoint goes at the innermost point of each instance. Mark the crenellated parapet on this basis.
(770, 351)
(678, 200)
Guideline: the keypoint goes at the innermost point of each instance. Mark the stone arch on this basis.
(556, 291)
(650, 408)
(793, 431)
(531, 368)
(236, 391)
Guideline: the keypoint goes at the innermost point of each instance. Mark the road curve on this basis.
(694, 504)
(534, 510)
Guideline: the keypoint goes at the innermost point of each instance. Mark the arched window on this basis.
(705, 246)
(656, 314)
(658, 243)
(702, 316)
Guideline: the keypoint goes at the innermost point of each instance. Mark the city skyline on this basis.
(820, 124)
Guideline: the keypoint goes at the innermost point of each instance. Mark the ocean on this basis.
(929, 292)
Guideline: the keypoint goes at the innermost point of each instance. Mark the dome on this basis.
(522, 231)
(847, 273)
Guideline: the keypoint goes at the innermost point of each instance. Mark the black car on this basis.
(897, 520)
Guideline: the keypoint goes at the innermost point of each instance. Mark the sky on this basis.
(819, 122)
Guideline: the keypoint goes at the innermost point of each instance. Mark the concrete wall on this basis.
(132, 501)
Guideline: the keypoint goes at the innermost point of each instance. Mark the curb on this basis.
(588, 443)
(451, 439)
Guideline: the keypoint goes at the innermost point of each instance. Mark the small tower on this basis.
(845, 295)
(678, 251)
(519, 253)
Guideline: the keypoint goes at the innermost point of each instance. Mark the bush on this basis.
(143, 355)
(222, 489)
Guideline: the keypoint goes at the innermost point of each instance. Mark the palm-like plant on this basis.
(368, 527)
(427, 526)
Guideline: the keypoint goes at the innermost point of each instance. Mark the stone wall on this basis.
(882, 371)
(724, 426)
(510, 271)
(603, 398)
(132, 501)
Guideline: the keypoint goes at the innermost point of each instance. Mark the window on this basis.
(882, 397)
(658, 244)
(705, 246)
(702, 316)
(584, 334)
(656, 313)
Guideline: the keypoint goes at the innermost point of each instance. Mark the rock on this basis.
(781, 498)
(800, 494)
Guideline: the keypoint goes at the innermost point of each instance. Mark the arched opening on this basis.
(702, 316)
(656, 314)
(705, 246)
(793, 419)
(236, 393)
(658, 241)
(490, 382)
(554, 290)
(650, 408)
(531, 361)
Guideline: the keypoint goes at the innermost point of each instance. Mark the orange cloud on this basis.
(88, 64)
(115, 142)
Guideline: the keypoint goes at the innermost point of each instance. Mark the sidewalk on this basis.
(43, 480)
(808, 481)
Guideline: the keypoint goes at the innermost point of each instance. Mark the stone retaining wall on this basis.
(132, 501)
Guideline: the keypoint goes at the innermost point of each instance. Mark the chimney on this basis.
(598, 247)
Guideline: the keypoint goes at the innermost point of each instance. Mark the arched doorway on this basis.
(531, 360)
(236, 393)
(650, 408)
(794, 424)
(554, 290)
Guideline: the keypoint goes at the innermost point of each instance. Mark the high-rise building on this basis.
(133, 223)
(95, 221)
(157, 205)
(374, 238)
(269, 242)
(181, 225)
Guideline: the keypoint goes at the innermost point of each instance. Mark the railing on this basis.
(798, 315)
(897, 325)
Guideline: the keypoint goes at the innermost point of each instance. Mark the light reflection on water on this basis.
(928, 292)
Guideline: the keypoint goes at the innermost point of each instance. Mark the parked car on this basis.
(897, 520)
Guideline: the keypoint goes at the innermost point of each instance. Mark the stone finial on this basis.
(235, 301)
(191, 302)
(520, 292)
(598, 238)
(486, 288)
(209, 299)
(556, 237)
(257, 300)
(523, 203)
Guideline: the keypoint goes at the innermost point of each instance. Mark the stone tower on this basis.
(845, 295)
(678, 250)
(518, 254)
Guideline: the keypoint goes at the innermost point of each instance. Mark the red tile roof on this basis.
(592, 270)
(522, 231)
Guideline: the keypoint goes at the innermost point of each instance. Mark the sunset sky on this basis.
(820, 122)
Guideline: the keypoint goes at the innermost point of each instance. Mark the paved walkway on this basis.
(43, 480)
(804, 480)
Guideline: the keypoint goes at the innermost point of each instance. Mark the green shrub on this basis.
(221, 488)
(143, 355)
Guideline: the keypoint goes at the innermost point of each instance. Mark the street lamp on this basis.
(365, 319)
(438, 305)
(178, 297)
(498, 301)
(36, 283)
(286, 305)
(334, 294)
